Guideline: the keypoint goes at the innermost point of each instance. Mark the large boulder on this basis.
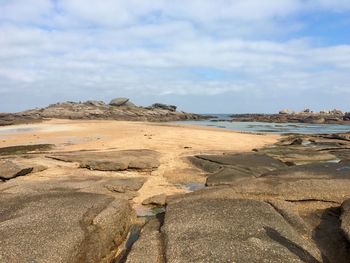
(164, 107)
(284, 111)
(9, 170)
(114, 160)
(118, 101)
(60, 218)
(62, 226)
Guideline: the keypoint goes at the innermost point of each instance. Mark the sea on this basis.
(268, 127)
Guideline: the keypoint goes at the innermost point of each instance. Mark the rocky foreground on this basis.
(305, 116)
(288, 202)
(117, 109)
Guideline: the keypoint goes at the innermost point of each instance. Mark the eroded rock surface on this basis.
(263, 207)
(228, 168)
(232, 230)
(61, 226)
(65, 219)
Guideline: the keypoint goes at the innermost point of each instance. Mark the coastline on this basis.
(138, 181)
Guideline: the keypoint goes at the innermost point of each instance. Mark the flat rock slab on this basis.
(114, 160)
(313, 170)
(228, 168)
(10, 169)
(206, 229)
(296, 189)
(205, 165)
(61, 226)
(118, 186)
(298, 154)
(244, 159)
(24, 149)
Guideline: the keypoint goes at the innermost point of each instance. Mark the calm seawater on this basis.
(267, 127)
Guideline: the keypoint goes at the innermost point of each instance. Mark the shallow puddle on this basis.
(334, 161)
(9, 131)
(132, 237)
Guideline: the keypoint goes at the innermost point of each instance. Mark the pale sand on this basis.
(170, 140)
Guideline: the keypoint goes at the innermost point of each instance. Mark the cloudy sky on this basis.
(202, 55)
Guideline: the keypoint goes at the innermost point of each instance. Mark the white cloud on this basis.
(25, 10)
(154, 47)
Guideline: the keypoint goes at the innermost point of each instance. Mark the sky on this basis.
(205, 56)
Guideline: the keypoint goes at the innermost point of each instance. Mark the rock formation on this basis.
(283, 203)
(287, 202)
(117, 109)
(114, 160)
(306, 116)
(65, 218)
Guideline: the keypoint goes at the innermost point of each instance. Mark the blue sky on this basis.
(220, 56)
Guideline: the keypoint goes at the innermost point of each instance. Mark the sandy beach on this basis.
(174, 142)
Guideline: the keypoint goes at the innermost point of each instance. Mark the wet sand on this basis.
(173, 141)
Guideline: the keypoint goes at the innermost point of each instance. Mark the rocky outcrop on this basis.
(305, 116)
(346, 116)
(10, 169)
(65, 219)
(19, 118)
(171, 108)
(114, 160)
(86, 230)
(267, 206)
(287, 202)
(117, 109)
